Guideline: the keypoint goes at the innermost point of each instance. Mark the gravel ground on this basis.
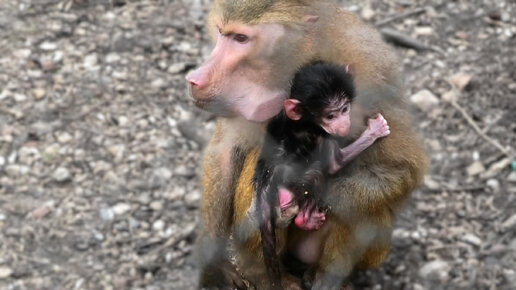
(100, 147)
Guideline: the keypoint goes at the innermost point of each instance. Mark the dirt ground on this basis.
(100, 146)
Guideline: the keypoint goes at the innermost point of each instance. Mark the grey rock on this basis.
(62, 174)
(106, 214)
(437, 268)
(424, 100)
(121, 208)
(5, 272)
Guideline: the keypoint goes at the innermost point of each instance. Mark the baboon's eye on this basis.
(241, 38)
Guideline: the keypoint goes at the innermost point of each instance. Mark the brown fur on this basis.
(368, 193)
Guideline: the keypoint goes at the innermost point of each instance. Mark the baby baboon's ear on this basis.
(293, 109)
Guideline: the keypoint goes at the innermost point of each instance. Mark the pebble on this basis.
(461, 80)
(164, 173)
(193, 198)
(424, 30)
(158, 225)
(472, 239)
(2, 161)
(424, 100)
(106, 214)
(5, 272)
(510, 276)
(112, 57)
(494, 184)
(47, 45)
(182, 170)
(367, 13)
(123, 121)
(64, 137)
(177, 68)
(509, 223)
(15, 170)
(437, 267)
(512, 177)
(20, 98)
(159, 83)
(27, 155)
(121, 208)
(39, 93)
(450, 96)
(431, 183)
(90, 61)
(98, 236)
(156, 205)
(62, 174)
(475, 168)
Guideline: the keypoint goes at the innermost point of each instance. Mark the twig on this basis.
(479, 131)
(455, 189)
(87, 111)
(400, 16)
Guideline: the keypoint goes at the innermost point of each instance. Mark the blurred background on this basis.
(100, 147)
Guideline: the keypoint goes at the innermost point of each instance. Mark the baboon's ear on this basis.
(349, 69)
(293, 109)
(310, 18)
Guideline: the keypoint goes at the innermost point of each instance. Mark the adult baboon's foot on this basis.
(223, 275)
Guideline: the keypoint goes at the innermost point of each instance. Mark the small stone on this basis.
(493, 183)
(22, 53)
(461, 35)
(424, 30)
(112, 57)
(177, 68)
(367, 13)
(20, 98)
(123, 121)
(512, 177)
(39, 93)
(437, 267)
(472, 239)
(15, 170)
(193, 198)
(98, 236)
(159, 83)
(475, 168)
(27, 155)
(81, 245)
(164, 173)
(156, 205)
(40, 212)
(64, 137)
(158, 225)
(62, 174)
(182, 170)
(451, 96)
(424, 100)
(510, 276)
(121, 208)
(431, 184)
(106, 214)
(117, 151)
(5, 272)
(510, 223)
(461, 80)
(90, 61)
(2, 161)
(47, 45)
(120, 282)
